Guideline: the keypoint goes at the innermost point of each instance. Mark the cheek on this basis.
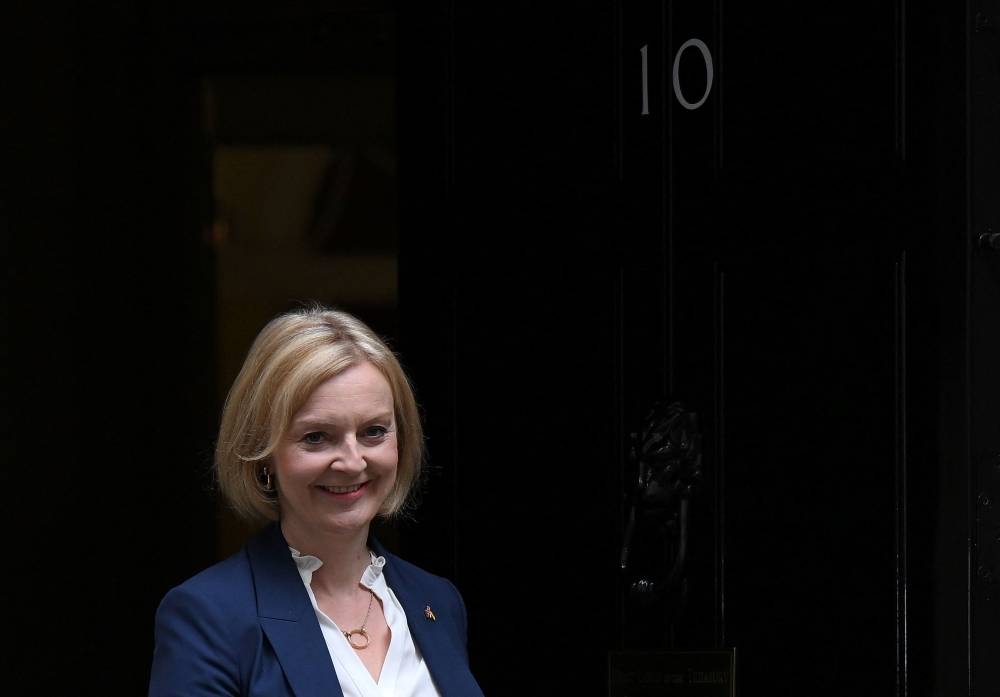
(293, 461)
(390, 457)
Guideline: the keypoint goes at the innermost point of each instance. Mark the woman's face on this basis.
(337, 462)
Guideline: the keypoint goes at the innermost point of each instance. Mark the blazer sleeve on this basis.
(194, 653)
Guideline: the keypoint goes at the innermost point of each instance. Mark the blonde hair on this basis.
(291, 356)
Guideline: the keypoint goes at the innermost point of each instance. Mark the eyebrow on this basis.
(323, 422)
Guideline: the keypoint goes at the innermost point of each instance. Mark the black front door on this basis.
(755, 217)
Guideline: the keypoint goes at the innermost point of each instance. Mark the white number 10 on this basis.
(706, 56)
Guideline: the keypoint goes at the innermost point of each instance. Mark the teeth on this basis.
(342, 489)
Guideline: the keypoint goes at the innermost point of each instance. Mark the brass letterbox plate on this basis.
(668, 673)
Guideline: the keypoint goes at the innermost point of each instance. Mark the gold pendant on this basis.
(360, 632)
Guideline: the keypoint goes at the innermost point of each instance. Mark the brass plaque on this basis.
(667, 673)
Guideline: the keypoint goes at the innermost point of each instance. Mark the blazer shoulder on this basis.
(206, 632)
(232, 578)
(414, 574)
(414, 584)
(224, 578)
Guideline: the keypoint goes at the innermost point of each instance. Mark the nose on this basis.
(348, 456)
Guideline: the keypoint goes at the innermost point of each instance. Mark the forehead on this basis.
(359, 388)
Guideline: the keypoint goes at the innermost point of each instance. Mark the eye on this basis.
(375, 432)
(313, 438)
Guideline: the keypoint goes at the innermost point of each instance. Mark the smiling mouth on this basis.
(342, 489)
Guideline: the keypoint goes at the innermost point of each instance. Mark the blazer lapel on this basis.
(438, 651)
(287, 617)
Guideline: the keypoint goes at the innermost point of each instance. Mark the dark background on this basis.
(797, 260)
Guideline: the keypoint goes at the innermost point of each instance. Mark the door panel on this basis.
(809, 477)
(984, 376)
(783, 258)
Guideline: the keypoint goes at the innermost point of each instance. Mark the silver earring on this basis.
(268, 483)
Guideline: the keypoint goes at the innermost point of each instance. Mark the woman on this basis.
(320, 434)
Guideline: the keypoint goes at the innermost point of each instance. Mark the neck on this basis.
(344, 556)
(341, 577)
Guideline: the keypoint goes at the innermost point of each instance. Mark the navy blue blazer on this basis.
(246, 626)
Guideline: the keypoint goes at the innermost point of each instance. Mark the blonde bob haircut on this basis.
(291, 356)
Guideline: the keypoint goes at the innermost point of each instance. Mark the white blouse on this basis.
(404, 673)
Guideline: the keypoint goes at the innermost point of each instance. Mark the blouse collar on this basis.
(307, 564)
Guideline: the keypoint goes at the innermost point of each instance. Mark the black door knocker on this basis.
(665, 469)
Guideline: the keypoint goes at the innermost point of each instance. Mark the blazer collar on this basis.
(431, 637)
(287, 617)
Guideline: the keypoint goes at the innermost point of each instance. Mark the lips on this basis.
(342, 489)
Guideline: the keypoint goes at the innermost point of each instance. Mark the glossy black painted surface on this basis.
(796, 260)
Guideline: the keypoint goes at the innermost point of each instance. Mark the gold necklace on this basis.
(361, 631)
